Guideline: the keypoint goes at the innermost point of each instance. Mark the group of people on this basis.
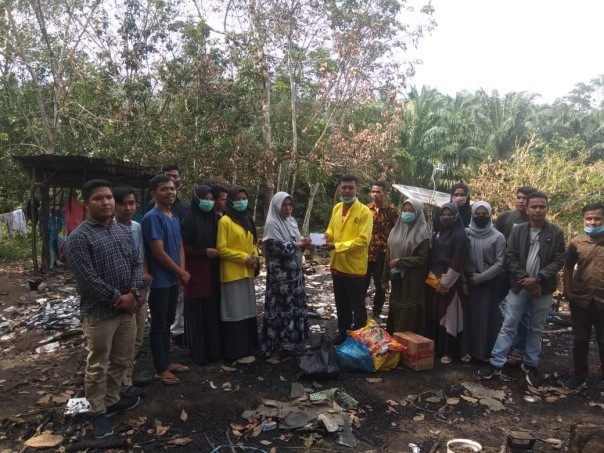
(447, 284)
(483, 290)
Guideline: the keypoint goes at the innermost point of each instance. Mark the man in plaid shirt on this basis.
(104, 260)
(384, 218)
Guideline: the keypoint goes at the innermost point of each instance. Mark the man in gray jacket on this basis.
(535, 255)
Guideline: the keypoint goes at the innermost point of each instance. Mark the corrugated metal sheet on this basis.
(74, 171)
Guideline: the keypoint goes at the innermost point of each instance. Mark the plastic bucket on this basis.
(463, 446)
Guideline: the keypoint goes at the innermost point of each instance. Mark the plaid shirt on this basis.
(384, 220)
(104, 261)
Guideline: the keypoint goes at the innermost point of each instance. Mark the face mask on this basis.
(459, 200)
(447, 222)
(352, 200)
(206, 205)
(408, 217)
(481, 222)
(594, 230)
(240, 205)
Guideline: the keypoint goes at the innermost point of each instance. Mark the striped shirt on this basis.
(105, 263)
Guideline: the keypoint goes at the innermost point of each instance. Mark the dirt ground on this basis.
(204, 413)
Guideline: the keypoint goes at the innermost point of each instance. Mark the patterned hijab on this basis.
(405, 237)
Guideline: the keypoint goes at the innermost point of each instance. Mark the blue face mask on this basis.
(352, 200)
(206, 205)
(595, 231)
(240, 205)
(408, 217)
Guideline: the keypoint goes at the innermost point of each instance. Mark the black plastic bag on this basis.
(319, 363)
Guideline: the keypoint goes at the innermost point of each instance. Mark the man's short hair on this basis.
(526, 190)
(159, 179)
(121, 192)
(170, 167)
(89, 187)
(593, 207)
(536, 194)
(349, 178)
(217, 189)
(381, 184)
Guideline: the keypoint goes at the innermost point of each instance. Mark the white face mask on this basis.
(459, 199)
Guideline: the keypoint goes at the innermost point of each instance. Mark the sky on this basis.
(538, 46)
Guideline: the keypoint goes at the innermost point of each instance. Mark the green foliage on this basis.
(17, 248)
(147, 81)
(562, 172)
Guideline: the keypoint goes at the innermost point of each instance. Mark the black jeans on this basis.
(582, 320)
(375, 269)
(349, 293)
(162, 305)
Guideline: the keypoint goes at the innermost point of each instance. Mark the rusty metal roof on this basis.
(74, 171)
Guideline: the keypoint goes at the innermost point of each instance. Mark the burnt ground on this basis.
(204, 412)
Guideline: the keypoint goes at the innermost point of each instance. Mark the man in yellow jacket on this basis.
(348, 236)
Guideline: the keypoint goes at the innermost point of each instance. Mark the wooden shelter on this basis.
(50, 173)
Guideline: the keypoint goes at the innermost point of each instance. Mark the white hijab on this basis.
(405, 237)
(277, 227)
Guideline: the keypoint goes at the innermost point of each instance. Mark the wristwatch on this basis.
(137, 295)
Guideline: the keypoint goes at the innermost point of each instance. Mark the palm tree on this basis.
(503, 121)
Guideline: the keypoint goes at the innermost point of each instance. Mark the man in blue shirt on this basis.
(106, 266)
(166, 258)
(179, 208)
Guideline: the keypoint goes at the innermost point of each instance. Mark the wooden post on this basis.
(44, 233)
(34, 222)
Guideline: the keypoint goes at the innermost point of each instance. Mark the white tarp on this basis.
(426, 196)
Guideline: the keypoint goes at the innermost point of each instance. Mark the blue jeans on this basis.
(515, 308)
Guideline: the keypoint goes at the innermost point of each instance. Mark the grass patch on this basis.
(16, 249)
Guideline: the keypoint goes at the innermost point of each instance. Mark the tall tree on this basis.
(503, 120)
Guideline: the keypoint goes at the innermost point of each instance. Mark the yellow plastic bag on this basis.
(385, 350)
(431, 280)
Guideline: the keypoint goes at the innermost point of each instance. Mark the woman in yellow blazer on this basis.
(238, 262)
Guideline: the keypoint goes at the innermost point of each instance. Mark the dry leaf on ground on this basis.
(181, 441)
(160, 430)
(44, 440)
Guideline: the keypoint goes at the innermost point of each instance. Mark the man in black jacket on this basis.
(535, 255)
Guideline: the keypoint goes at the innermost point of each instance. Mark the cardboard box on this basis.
(419, 354)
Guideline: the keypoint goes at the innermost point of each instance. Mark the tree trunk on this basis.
(293, 94)
(313, 192)
(268, 160)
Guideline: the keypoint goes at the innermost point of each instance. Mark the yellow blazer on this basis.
(351, 237)
(234, 245)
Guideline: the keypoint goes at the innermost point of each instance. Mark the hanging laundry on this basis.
(73, 210)
(18, 223)
(15, 223)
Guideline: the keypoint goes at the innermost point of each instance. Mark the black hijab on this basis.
(198, 227)
(465, 211)
(244, 218)
(450, 245)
